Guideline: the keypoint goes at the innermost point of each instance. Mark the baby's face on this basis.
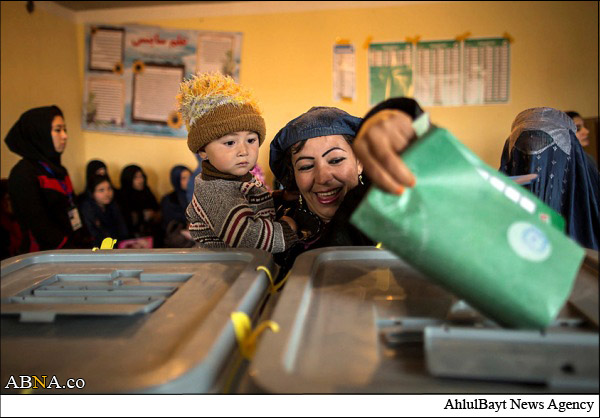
(235, 153)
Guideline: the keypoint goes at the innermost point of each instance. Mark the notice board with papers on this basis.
(133, 73)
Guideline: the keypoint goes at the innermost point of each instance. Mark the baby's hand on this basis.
(377, 145)
(290, 222)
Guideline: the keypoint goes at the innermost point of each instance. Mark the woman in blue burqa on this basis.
(543, 142)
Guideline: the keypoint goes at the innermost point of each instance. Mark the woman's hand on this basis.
(377, 145)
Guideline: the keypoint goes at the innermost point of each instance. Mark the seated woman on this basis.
(313, 156)
(139, 206)
(543, 141)
(582, 133)
(173, 206)
(101, 214)
(93, 168)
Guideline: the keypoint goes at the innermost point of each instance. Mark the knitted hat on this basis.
(213, 105)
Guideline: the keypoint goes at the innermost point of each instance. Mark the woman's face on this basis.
(184, 178)
(325, 169)
(582, 131)
(138, 181)
(103, 193)
(59, 134)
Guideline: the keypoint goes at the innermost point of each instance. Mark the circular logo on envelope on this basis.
(529, 242)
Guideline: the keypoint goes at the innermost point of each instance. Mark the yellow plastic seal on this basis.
(245, 336)
(107, 244)
(272, 287)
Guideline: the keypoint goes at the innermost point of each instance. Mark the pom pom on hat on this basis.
(213, 105)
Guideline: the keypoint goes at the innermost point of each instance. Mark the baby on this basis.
(230, 208)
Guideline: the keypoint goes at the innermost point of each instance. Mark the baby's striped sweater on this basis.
(238, 214)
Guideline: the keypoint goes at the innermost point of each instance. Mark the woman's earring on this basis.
(300, 200)
(360, 179)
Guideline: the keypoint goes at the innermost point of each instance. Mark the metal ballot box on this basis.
(126, 321)
(361, 320)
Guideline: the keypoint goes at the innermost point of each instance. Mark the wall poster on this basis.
(133, 72)
(441, 73)
(344, 72)
(486, 74)
(390, 71)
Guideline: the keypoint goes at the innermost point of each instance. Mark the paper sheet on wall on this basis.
(441, 73)
(106, 48)
(154, 93)
(344, 72)
(486, 70)
(438, 77)
(106, 102)
(390, 71)
(215, 54)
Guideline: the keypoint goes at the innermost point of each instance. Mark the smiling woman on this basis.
(313, 158)
(325, 168)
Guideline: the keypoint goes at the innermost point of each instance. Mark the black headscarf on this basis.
(136, 200)
(90, 171)
(31, 137)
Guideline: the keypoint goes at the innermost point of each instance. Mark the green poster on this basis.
(486, 71)
(390, 71)
(438, 73)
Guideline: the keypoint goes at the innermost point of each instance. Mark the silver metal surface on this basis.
(353, 320)
(182, 343)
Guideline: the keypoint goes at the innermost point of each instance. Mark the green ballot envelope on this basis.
(477, 233)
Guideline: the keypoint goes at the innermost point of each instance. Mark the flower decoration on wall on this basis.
(138, 67)
(174, 120)
(118, 68)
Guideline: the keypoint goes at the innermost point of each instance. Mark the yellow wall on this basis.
(287, 61)
(40, 68)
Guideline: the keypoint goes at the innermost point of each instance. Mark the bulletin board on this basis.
(441, 72)
(133, 73)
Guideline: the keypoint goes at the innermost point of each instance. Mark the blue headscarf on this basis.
(176, 182)
(174, 204)
(543, 142)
